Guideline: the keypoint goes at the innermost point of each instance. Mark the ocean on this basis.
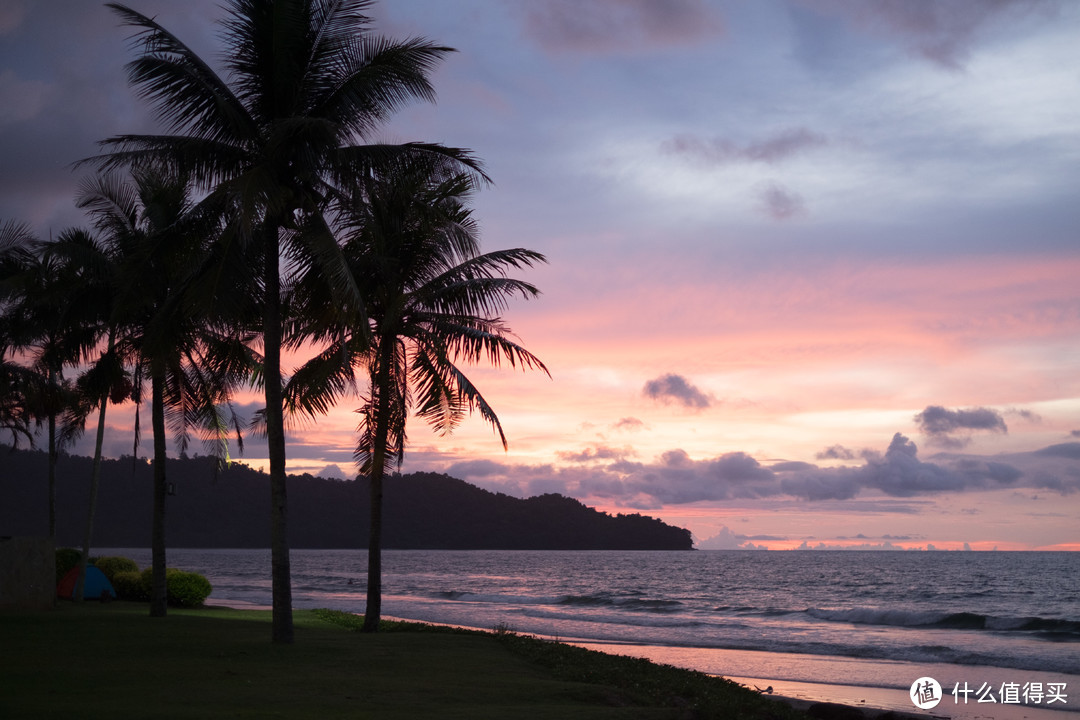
(1000, 631)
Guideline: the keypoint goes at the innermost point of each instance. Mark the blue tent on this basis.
(96, 584)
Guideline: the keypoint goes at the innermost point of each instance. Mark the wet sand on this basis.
(873, 686)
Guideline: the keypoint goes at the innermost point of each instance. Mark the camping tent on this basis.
(96, 584)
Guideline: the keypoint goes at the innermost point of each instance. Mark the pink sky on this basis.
(812, 267)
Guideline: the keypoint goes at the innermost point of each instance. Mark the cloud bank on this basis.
(674, 478)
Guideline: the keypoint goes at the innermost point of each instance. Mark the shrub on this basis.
(113, 565)
(183, 589)
(129, 586)
(187, 589)
(66, 558)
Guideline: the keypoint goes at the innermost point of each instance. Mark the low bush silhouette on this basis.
(113, 565)
(187, 589)
(128, 585)
(183, 589)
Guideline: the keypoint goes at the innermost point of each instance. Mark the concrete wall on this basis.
(27, 573)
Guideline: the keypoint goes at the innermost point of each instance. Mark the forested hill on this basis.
(232, 509)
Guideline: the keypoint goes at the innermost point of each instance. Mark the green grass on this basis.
(113, 661)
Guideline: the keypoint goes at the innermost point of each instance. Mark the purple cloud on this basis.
(779, 203)
(836, 452)
(619, 25)
(591, 454)
(672, 388)
(674, 478)
(629, 424)
(721, 151)
(941, 424)
(941, 32)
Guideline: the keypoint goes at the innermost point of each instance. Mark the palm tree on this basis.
(14, 418)
(308, 84)
(43, 322)
(15, 241)
(156, 242)
(92, 274)
(433, 302)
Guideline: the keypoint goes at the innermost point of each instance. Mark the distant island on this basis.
(230, 509)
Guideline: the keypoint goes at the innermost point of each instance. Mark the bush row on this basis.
(183, 589)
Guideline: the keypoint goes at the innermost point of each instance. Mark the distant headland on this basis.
(228, 509)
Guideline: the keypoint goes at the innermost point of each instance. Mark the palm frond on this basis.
(378, 77)
(187, 94)
(321, 381)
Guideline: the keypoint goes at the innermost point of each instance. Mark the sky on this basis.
(812, 264)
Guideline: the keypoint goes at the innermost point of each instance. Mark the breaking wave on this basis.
(1052, 628)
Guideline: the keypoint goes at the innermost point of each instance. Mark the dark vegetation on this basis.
(227, 509)
(184, 589)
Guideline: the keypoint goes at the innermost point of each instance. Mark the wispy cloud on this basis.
(595, 453)
(629, 424)
(943, 33)
(626, 26)
(780, 203)
(722, 151)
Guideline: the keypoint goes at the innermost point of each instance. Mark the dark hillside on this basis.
(231, 509)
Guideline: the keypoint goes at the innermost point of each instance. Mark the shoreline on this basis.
(854, 682)
(745, 668)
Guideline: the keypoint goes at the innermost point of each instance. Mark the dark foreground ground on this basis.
(113, 661)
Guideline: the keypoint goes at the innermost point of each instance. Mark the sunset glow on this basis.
(812, 275)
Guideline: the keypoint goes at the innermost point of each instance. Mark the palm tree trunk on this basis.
(95, 480)
(282, 630)
(158, 588)
(53, 455)
(373, 612)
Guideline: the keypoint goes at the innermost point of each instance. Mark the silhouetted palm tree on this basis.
(43, 323)
(90, 286)
(15, 254)
(155, 244)
(433, 302)
(307, 82)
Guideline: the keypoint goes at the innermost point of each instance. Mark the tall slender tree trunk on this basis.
(159, 591)
(282, 630)
(53, 454)
(373, 612)
(95, 480)
(91, 509)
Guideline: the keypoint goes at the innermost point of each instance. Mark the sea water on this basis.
(976, 621)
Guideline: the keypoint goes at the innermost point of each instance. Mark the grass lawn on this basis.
(113, 661)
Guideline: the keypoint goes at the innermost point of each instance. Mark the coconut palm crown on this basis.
(307, 88)
(433, 305)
